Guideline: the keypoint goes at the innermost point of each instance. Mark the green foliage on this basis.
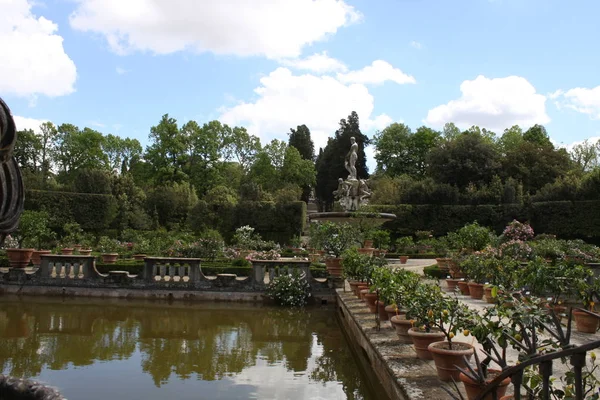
(473, 237)
(355, 264)
(93, 212)
(290, 290)
(434, 272)
(381, 239)
(337, 238)
(33, 229)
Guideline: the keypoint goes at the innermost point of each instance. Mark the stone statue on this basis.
(352, 193)
(351, 157)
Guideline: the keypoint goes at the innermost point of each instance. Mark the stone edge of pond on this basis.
(400, 372)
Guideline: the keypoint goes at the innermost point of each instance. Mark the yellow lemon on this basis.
(466, 332)
(451, 335)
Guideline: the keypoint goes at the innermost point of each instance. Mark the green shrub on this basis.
(291, 290)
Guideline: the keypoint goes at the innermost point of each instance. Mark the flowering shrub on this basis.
(290, 290)
(244, 237)
(264, 255)
(231, 253)
(516, 249)
(10, 243)
(518, 231)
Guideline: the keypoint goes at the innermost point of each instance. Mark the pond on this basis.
(120, 349)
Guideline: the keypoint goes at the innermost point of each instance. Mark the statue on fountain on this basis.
(352, 193)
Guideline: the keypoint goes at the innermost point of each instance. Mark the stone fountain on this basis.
(352, 194)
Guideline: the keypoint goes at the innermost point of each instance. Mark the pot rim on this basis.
(434, 349)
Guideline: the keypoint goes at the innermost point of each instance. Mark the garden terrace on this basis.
(160, 276)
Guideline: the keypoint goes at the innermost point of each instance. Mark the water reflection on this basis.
(237, 351)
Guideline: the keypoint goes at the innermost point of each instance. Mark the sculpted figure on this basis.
(351, 157)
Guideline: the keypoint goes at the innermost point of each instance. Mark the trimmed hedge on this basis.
(93, 212)
(566, 219)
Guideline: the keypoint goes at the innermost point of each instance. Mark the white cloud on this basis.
(274, 28)
(34, 60)
(121, 71)
(23, 123)
(494, 104)
(583, 100)
(378, 72)
(318, 62)
(416, 44)
(286, 100)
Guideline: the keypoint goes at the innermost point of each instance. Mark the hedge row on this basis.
(566, 219)
(94, 212)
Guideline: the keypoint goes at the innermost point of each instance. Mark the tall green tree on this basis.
(240, 146)
(400, 151)
(468, 159)
(166, 153)
(76, 149)
(301, 140)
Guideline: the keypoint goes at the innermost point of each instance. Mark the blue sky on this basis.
(269, 65)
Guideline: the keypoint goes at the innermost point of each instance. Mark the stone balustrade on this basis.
(167, 273)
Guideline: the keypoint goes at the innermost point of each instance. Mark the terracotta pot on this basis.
(422, 340)
(392, 310)
(19, 258)
(85, 252)
(77, 247)
(476, 290)
(110, 258)
(464, 287)
(383, 316)
(446, 359)
(508, 397)
(451, 282)
(370, 299)
(365, 251)
(585, 323)
(66, 251)
(487, 293)
(403, 259)
(473, 388)
(36, 257)
(443, 264)
(139, 257)
(359, 288)
(363, 292)
(334, 266)
(353, 286)
(455, 270)
(368, 244)
(401, 325)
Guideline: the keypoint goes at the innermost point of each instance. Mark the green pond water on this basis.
(108, 349)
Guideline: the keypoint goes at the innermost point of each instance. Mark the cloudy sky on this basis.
(118, 65)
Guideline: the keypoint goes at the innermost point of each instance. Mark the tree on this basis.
(586, 155)
(297, 171)
(76, 149)
(49, 134)
(241, 147)
(538, 135)
(166, 154)
(510, 140)
(399, 151)
(301, 140)
(470, 158)
(27, 150)
(450, 131)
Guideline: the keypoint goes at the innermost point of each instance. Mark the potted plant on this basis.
(449, 315)
(17, 257)
(353, 263)
(404, 246)
(381, 241)
(588, 289)
(404, 283)
(420, 310)
(336, 238)
(108, 249)
(33, 232)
